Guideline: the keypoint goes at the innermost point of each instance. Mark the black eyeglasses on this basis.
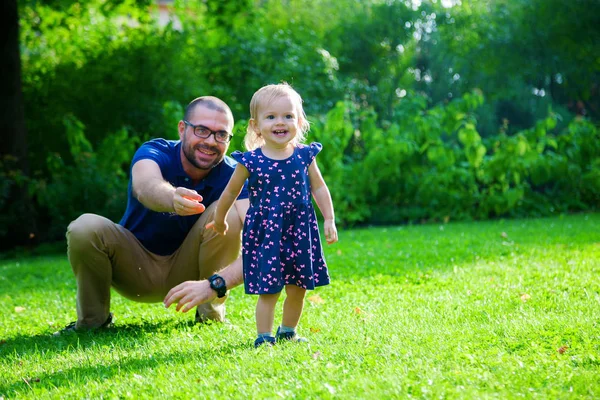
(203, 133)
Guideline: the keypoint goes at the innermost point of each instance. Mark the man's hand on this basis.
(221, 229)
(187, 202)
(189, 294)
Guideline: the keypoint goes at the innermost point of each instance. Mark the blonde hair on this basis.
(263, 97)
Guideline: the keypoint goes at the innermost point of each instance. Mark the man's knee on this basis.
(85, 229)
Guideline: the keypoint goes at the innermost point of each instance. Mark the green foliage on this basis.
(11, 178)
(95, 182)
(525, 54)
(103, 64)
(390, 89)
(336, 133)
(433, 164)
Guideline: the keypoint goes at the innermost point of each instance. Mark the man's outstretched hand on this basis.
(189, 294)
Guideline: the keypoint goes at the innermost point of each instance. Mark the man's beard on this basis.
(190, 153)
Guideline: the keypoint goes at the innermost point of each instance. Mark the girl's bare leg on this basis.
(265, 312)
(293, 305)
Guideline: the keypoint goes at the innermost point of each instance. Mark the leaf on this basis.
(562, 349)
(316, 299)
(19, 309)
(525, 297)
(315, 330)
(357, 310)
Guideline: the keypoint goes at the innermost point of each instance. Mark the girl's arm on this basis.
(323, 198)
(228, 197)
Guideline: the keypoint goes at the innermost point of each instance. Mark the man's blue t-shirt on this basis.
(161, 232)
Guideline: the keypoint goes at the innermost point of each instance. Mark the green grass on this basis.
(462, 310)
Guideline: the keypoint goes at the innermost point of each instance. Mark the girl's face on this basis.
(277, 122)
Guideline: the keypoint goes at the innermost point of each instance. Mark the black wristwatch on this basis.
(217, 283)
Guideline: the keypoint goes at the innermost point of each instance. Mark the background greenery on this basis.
(428, 110)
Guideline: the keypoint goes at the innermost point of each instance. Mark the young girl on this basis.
(281, 245)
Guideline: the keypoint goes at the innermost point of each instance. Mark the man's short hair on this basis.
(210, 102)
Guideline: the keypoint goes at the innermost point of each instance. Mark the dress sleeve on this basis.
(242, 158)
(313, 149)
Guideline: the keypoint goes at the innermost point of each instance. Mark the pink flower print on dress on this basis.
(280, 246)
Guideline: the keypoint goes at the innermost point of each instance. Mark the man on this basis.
(160, 250)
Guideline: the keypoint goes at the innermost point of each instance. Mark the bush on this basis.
(432, 164)
(96, 182)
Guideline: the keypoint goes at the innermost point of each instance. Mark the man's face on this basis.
(204, 154)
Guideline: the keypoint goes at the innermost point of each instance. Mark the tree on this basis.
(14, 166)
(524, 54)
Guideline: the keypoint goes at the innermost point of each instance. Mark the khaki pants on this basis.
(104, 254)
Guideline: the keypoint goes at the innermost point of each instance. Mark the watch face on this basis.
(218, 282)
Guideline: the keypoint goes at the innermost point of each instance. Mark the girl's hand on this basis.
(221, 229)
(331, 234)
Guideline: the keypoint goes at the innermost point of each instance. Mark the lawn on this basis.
(498, 309)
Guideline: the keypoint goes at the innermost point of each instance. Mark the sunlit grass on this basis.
(502, 309)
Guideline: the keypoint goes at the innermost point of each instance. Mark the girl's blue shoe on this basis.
(268, 340)
(289, 336)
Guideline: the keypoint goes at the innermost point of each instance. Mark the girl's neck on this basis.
(276, 152)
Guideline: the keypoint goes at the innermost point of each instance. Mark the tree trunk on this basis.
(18, 217)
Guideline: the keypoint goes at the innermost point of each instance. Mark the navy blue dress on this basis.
(281, 244)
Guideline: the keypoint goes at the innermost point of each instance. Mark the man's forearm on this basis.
(233, 273)
(157, 196)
